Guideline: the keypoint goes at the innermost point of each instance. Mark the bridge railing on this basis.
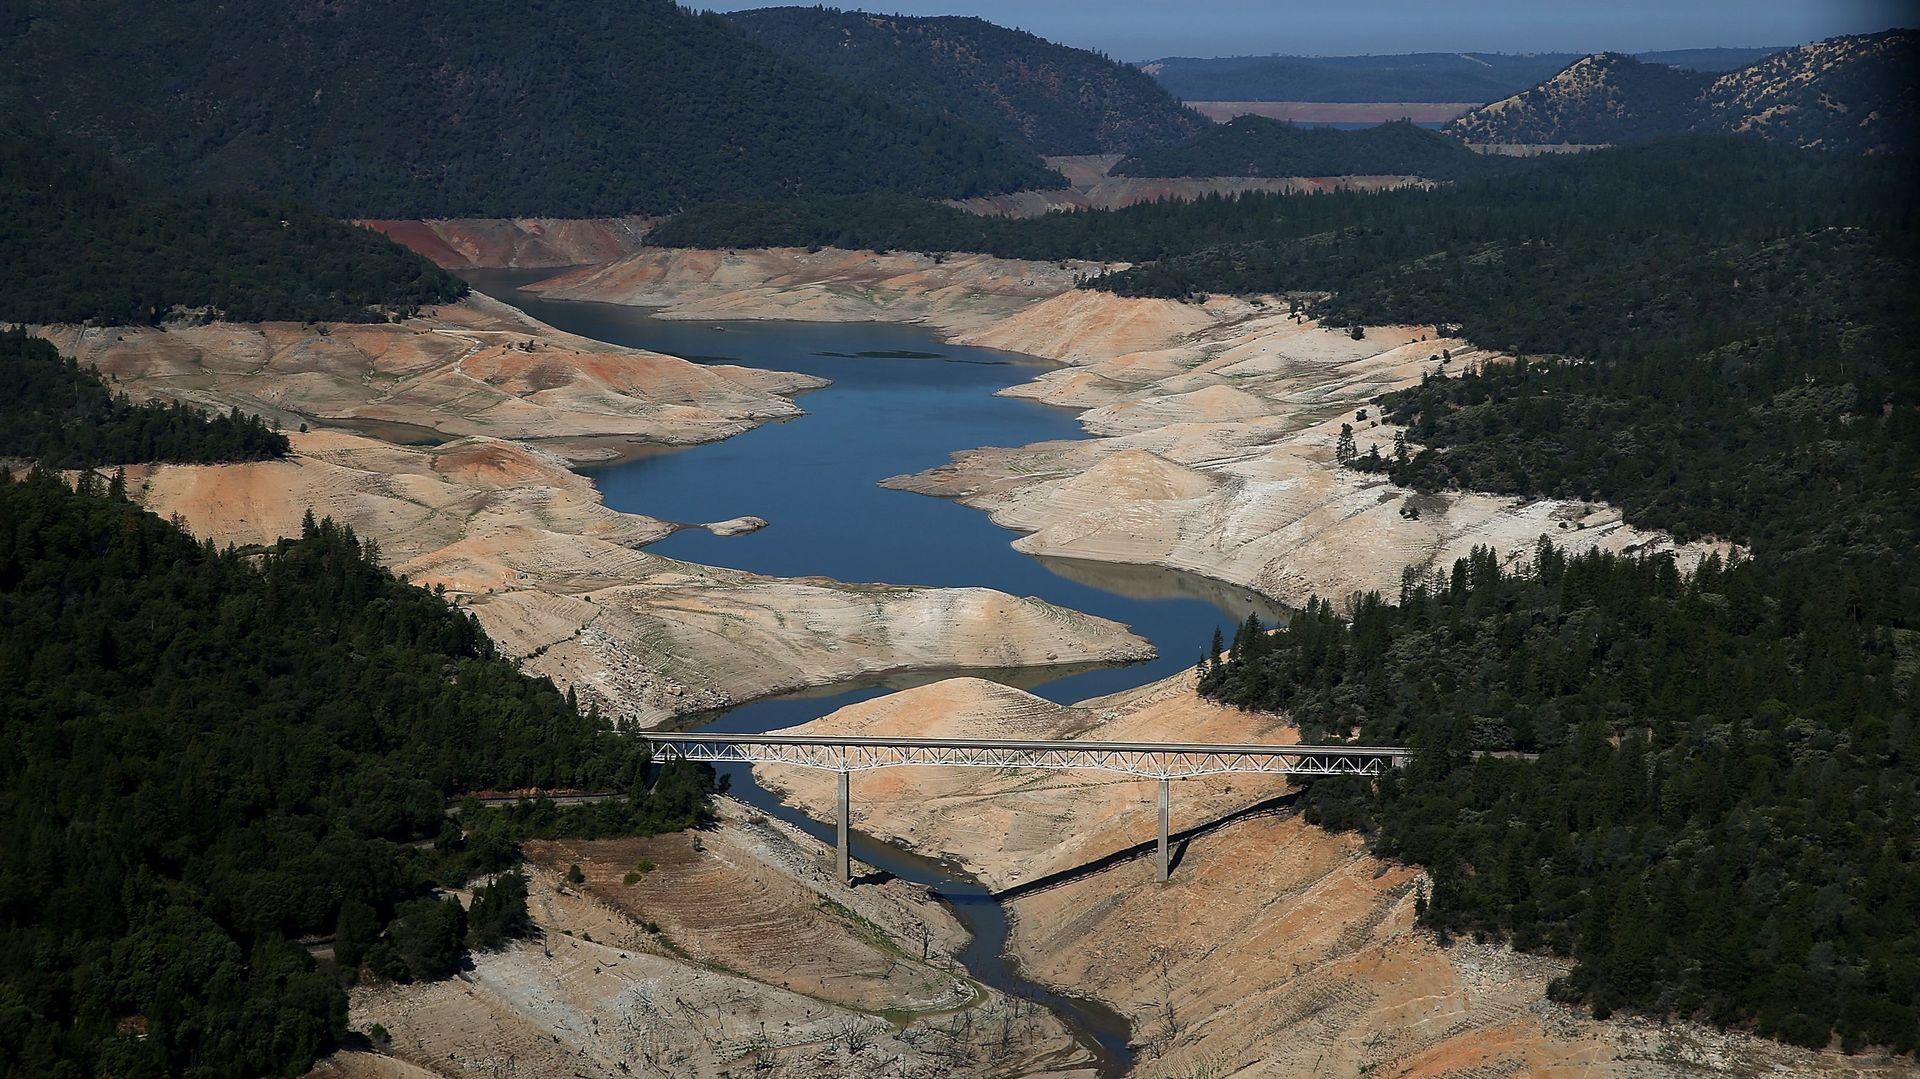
(1152, 760)
(1164, 761)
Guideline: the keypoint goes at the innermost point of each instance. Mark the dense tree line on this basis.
(487, 108)
(1722, 821)
(1257, 146)
(205, 756)
(1050, 98)
(1588, 235)
(62, 415)
(86, 242)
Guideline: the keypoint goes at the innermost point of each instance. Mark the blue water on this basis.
(815, 479)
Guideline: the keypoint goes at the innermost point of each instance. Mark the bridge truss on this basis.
(1164, 761)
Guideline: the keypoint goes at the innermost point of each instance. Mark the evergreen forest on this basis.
(1050, 98)
(207, 757)
(56, 412)
(1257, 146)
(87, 242)
(490, 108)
(1722, 820)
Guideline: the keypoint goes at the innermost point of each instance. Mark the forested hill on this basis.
(87, 242)
(1050, 98)
(205, 756)
(1847, 94)
(1257, 146)
(1599, 99)
(1427, 76)
(484, 108)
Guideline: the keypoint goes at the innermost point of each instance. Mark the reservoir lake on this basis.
(901, 401)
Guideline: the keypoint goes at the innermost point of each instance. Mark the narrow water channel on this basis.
(901, 401)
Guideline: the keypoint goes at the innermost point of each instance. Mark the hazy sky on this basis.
(1146, 29)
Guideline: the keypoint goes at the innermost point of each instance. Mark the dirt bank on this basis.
(552, 574)
(1216, 426)
(734, 954)
(952, 292)
(519, 242)
(1276, 949)
(478, 367)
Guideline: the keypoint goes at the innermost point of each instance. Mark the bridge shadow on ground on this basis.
(1176, 851)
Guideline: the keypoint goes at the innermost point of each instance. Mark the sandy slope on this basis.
(1276, 949)
(951, 292)
(477, 367)
(754, 963)
(1217, 425)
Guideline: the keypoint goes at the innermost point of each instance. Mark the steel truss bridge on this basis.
(1164, 761)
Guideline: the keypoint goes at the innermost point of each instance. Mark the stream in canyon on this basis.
(901, 401)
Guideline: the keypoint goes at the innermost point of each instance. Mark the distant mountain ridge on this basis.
(1605, 98)
(495, 108)
(1431, 76)
(1050, 98)
(1851, 94)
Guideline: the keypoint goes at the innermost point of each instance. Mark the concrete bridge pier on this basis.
(842, 857)
(1162, 761)
(1161, 869)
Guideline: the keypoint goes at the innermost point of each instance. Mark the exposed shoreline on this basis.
(493, 509)
(1209, 428)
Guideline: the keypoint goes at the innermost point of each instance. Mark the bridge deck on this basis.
(1156, 760)
(1164, 761)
